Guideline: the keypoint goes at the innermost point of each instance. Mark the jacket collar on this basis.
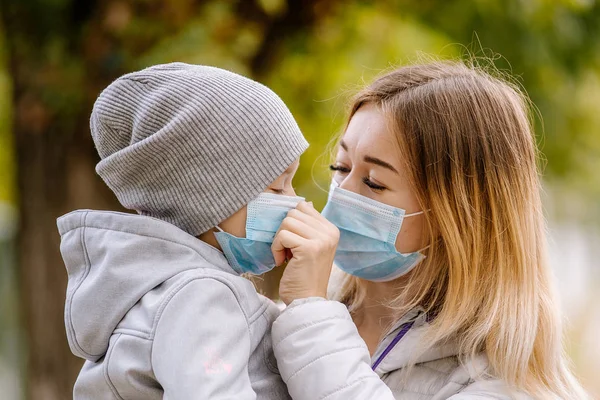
(403, 353)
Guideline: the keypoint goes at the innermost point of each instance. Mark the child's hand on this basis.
(312, 240)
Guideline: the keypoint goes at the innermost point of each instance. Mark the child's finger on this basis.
(284, 240)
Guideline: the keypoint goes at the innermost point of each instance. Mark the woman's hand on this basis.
(308, 241)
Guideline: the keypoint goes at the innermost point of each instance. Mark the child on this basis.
(153, 305)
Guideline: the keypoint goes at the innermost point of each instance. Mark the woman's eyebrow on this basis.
(381, 163)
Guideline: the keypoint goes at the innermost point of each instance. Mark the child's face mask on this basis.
(252, 254)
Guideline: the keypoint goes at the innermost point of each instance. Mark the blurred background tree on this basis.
(57, 55)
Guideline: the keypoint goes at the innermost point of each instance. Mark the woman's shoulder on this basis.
(495, 389)
(482, 384)
(451, 378)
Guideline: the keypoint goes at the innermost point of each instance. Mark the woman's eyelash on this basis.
(277, 191)
(366, 180)
(372, 184)
(337, 168)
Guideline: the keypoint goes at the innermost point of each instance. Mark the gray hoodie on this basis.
(158, 313)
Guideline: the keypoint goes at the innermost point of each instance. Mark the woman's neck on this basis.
(375, 315)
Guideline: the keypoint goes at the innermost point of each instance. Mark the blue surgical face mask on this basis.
(252, 254)
(368, 231)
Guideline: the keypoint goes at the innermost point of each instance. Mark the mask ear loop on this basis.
(424, 248)
(219, 228)
(415, 214)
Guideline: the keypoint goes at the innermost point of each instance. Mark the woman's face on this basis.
(368, 163)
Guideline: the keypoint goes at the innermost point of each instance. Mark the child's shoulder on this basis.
(196, 288)
(205, 284)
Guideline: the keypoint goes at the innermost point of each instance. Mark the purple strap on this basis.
(403, 330)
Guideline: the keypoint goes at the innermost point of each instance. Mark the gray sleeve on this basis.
(202, 344)
(321, 355)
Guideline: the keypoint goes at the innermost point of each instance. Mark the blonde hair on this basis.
(466, 139)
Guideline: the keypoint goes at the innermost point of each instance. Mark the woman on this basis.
(446, 291)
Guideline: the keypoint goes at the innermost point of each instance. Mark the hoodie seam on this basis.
(260, 312)
(134, 332)
(266, 353)
(176, 290)
(183, 284)
(109, 382)
(77, 286)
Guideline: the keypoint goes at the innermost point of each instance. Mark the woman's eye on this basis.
(372, 184)
(339, 168)
(276, 191)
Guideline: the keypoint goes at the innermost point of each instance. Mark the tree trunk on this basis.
(55, 164)
(53, 178)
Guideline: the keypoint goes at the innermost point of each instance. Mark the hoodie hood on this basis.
(114, 259)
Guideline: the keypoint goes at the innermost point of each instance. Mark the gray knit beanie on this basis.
(191, 144)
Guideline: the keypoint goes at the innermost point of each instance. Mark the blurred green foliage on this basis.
(551, 47)
(316, 71)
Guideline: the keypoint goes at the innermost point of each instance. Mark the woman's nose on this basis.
(350, 183)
